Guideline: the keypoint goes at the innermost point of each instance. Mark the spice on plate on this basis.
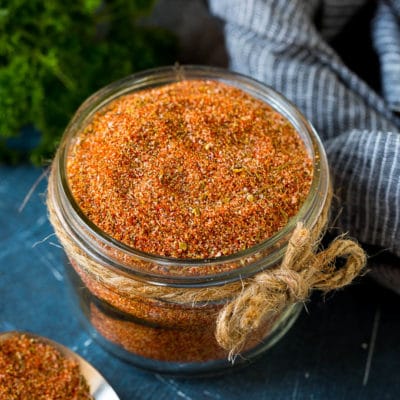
(194, 169)
(33, 369)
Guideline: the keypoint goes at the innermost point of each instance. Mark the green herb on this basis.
(54, 54)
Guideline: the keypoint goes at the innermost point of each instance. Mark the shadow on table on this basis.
(342, 346)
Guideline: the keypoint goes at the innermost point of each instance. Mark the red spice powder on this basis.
(31, 369)
(194, 169)
(185, 342)
(179, 344)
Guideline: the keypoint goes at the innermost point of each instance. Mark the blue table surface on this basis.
(344, 346)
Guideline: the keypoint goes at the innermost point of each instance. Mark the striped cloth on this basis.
(285, 43)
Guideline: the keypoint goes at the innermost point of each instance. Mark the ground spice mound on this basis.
(31, 369)
(194, 169)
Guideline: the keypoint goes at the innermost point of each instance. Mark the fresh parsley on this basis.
(54, 54)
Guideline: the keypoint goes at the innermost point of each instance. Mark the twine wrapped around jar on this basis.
(253, 301)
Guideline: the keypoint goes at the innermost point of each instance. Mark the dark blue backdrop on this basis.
(346, 346)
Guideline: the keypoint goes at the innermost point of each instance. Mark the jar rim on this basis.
(78, 223)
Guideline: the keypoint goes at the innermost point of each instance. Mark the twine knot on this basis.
(302, 269)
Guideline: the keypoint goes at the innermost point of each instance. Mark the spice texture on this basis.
(194, 169)
(31, 369)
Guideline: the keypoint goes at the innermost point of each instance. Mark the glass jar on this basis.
(114, 284)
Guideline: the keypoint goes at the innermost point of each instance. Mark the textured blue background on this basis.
(346, 346)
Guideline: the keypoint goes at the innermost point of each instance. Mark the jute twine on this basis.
(252, 301)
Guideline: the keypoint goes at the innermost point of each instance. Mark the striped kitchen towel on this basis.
(286, 44)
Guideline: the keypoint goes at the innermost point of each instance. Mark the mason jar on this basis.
(160, 313)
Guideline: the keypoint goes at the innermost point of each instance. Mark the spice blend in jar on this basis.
(189, 202)
(194, 169)
(33, 369)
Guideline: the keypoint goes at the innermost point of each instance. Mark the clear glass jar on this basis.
(160, 334)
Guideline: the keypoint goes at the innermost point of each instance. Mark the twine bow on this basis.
(302, 270)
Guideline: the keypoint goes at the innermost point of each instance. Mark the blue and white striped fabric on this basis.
(285, 43)
(386, 34)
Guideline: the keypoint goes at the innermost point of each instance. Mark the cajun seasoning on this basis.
(194, 169)
(33, 369)
(190, 171)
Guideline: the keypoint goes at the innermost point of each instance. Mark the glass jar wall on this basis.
(160, 312)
